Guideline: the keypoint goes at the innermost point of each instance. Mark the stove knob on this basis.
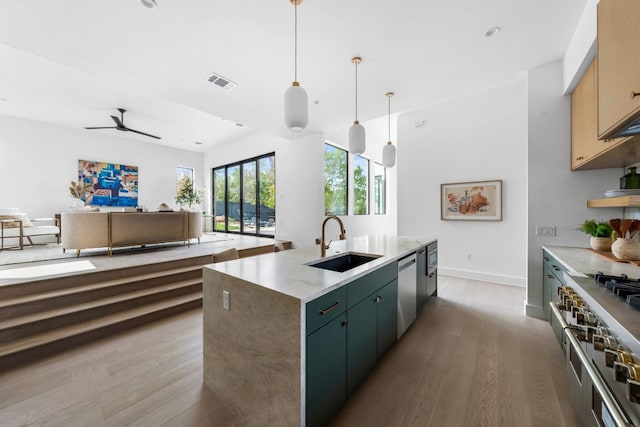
(624, 371)
(633, 390)
(611, 356)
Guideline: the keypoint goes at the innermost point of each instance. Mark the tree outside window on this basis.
(361, 185)
(379, 188)
(335, 180)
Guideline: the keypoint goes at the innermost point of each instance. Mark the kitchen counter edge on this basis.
(288, 272)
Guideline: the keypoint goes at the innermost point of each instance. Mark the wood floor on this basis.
(471, 359)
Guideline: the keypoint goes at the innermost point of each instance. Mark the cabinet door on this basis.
(584, 114)
(432, 283)
(387, 317)
(326, 366)
(550, 285)
(361, 341)
(618, 63)
(421, 279)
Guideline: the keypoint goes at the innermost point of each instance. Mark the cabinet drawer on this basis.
(553, 265)
(361, 288)
(326, 308)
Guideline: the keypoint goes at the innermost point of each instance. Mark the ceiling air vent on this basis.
(223, 82)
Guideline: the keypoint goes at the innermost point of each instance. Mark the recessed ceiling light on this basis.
(239, 125)
(492, 31)
(149, 3)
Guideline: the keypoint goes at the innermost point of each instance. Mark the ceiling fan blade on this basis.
(101, 127)
(118, 121)
(142, 133)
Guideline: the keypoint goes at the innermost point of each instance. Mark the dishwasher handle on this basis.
(406, 262)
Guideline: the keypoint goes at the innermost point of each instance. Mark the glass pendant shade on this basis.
(389, 155)
(296, 108)
(357, 138)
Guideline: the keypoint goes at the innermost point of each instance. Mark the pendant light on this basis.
(389, 150)
(296, 102)
(357, 143)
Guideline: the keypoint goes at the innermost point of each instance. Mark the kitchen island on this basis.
(256, 350)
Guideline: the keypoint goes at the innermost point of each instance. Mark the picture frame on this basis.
(108, 184)
(471, 201)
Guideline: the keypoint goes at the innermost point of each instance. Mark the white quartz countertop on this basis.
(286, 271)
(586, 261)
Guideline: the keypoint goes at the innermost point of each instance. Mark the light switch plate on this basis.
(546, 231)
(225, 299)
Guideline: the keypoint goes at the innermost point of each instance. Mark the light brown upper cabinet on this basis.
(618, 64)
(584, 112)
(587, 151)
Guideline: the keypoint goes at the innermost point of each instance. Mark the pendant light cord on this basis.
(356, 62)
(295, 43)
(389, 116)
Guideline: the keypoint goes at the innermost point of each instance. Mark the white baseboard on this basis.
(534, 311)
(485, 277)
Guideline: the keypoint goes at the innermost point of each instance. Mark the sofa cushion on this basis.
(18, 216)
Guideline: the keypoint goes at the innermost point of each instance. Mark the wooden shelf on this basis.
(614, 202)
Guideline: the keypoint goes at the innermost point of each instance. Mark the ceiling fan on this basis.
(121, 126)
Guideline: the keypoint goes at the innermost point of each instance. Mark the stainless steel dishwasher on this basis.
(406, 292)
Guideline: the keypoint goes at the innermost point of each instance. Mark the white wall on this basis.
(39, 160)
(480, 137)
(300, 186)
(556, 196)
(582, 47)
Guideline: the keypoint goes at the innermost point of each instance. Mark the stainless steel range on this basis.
(603, 358)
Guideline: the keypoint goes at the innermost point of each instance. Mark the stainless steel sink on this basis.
(344, 262)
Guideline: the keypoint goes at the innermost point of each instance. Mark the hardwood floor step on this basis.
(95, 328)
(50, 284)
(33, 323)
(130, 282)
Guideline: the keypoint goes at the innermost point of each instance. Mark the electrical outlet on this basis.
(546, 231)
(225, 299)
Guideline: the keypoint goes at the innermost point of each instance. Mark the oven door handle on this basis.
(608, 400)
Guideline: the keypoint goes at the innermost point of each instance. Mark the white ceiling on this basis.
(73, 62)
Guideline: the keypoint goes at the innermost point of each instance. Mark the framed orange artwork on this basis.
(475, 201)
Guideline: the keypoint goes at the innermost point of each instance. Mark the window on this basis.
(335, 180)
(182, 175)
(379, 188)
(244, 196)
(219, 200)
(361, 185)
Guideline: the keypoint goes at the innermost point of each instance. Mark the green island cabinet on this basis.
(551, 281)
(348, 331)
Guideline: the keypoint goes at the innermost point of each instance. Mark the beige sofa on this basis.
(83, 230)
(15, 226)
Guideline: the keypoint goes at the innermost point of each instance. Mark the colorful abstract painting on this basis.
(479, 200)
(109, 184)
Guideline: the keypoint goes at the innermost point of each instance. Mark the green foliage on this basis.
(267, 182)
(360, 191)
(595, 228)
(335, 181)
(187, 194)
